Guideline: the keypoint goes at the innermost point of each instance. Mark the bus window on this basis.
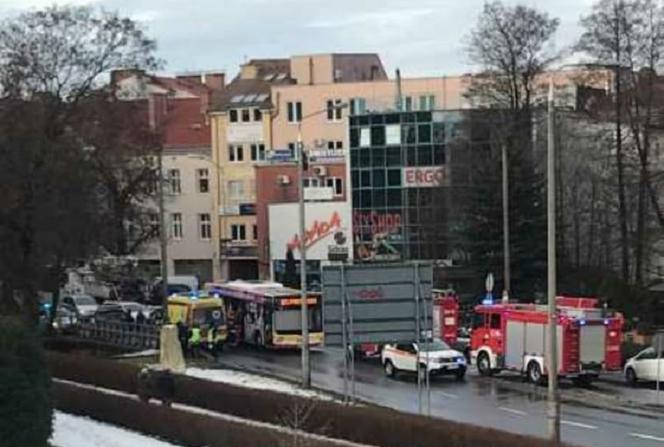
(289, 321)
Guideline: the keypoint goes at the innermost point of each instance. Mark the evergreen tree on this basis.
(25, 407)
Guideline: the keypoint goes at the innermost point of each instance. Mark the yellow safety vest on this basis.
(195, 338)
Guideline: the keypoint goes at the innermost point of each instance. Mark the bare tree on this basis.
(511, 47)
(50, 62)
(629, 35)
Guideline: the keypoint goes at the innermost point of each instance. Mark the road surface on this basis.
(590, 417)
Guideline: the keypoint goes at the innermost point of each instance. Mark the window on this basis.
(365, 137)
(176, 224)
(233, 115)
(408, 103)
(335, 145)
(294, 111)
(336, 184)
(495, 321)
(236, 189)
(154, 224)
(393, 134)
(358, 106)
(238, 232)
(427, 102)
(258, 115)
(257, 152)
(235, 152)
(203, 180)
(205, 226)
(174, 181)
(291, 148)
(255, 232)
(246, 115)
(311, 182)
(333, 110)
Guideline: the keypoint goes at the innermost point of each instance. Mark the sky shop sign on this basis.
(424, 177)
(376, 223)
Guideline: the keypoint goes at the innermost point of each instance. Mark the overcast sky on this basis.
(421, 37)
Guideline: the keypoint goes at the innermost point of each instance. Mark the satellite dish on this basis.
(489, 283)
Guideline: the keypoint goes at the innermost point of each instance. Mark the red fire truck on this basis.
(513, 337)
(445, 315)
(600, 332)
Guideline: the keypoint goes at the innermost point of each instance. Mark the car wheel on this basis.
(484, 364)
(630, 376)
(390, 369)
(535, 373)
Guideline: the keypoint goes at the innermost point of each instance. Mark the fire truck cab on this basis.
(513, 337)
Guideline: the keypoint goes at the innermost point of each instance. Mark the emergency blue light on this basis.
(582, 322)
(47, 305)
(216, 295)
(606, 322)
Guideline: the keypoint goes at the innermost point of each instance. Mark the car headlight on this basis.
(461, 360)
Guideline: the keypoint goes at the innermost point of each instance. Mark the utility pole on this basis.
(553, 410)
(163, 237)
(506, 224)
(306, 364)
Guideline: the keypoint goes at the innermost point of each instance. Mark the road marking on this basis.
(513, 411)
(648, 437)
(579, 425)
(448, 395)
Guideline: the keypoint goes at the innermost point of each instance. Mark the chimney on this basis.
(214, 81)
(248, 71)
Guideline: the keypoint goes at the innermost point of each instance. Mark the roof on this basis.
(185, 124)
(255, 91)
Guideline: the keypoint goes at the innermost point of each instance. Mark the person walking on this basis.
(183, 336)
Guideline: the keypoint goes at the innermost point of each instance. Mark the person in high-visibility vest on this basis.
(195, 341)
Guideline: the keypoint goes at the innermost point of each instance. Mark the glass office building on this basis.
(401, 184)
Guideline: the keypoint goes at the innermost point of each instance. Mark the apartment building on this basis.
(243, 134)
(177, 106)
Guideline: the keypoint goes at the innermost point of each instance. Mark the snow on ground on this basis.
(254, 381)
(77, 431)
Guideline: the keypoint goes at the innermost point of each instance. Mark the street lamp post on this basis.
(163, 241)
(304, 308)
(553, 410)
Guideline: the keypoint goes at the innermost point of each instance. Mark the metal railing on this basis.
(121, 334)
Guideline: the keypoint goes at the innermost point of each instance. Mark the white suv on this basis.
(436, 357)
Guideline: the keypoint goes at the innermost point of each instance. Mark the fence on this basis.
(121, 334)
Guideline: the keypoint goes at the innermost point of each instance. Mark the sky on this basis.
(420, 37)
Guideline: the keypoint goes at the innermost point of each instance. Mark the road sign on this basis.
(382, 303)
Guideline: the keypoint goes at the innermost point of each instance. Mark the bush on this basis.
(366, 424)
(175, 425)
(26, 411)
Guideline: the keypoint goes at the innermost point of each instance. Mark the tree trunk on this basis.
(622, 206)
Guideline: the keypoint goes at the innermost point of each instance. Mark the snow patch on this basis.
(254, 381)
(77, 431)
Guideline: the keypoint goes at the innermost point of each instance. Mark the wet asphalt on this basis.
(594, 417)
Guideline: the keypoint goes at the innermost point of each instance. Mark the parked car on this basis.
(645, 367)
(436, 357)
(65, 320)
(117, 311)
(84, 305)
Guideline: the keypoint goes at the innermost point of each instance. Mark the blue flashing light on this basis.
(193, 294)
(606, 322)
(47, 305)
(488, 299)
(216, 295)
(460, 360)
(582, 322)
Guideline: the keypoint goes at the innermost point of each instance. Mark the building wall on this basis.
(189, 203)
(270, 191)
(379, 96)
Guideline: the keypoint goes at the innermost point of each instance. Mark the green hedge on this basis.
(366, 424)
(25, 387)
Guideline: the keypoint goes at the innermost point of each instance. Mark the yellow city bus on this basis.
(199, 309)
(268, 314)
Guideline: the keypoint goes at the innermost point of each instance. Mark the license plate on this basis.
(452, 366)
